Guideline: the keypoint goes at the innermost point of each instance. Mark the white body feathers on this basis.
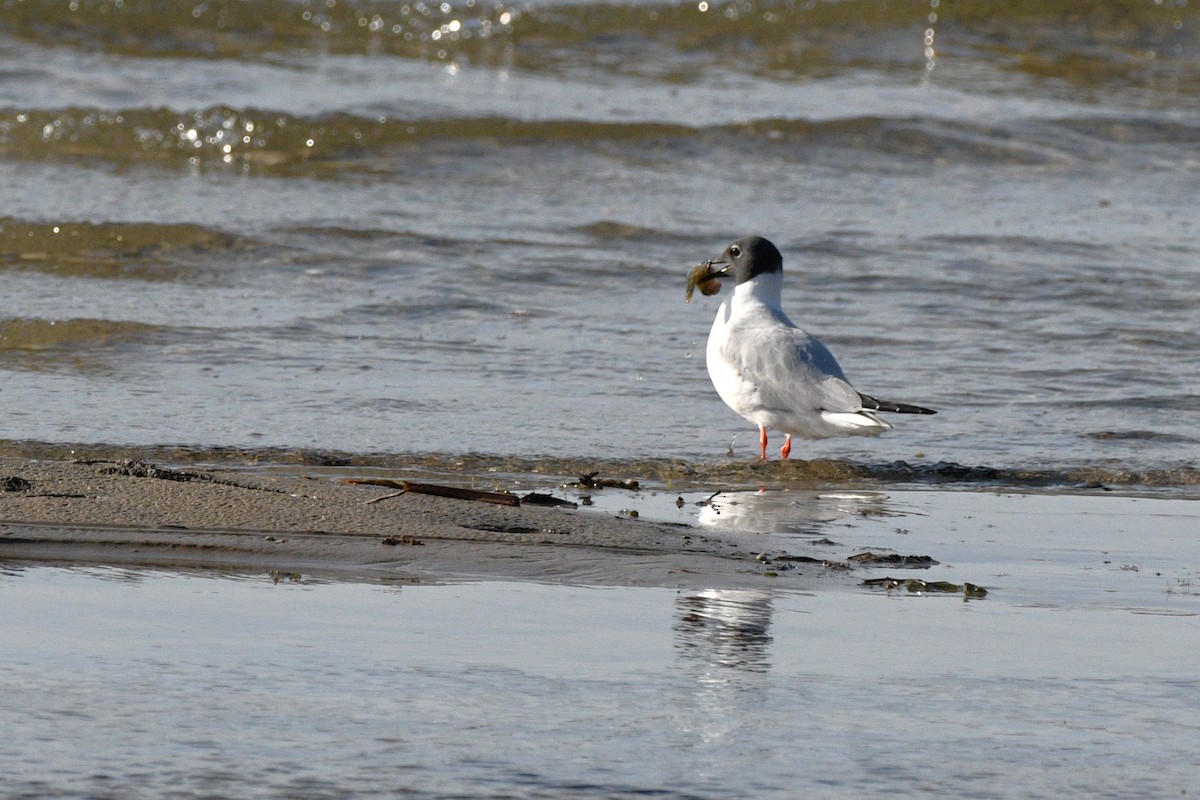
(775, 374)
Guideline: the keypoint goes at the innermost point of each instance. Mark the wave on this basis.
(241, 29)
(332, 144)
(263, 140)
(1078, 41)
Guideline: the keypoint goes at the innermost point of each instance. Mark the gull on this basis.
(772, 372)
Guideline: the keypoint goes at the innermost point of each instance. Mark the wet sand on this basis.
(107, 513)
(1076, 545)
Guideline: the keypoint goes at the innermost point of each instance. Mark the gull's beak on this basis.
(714, 272)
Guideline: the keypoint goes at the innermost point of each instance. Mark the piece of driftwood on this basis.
(456, 492)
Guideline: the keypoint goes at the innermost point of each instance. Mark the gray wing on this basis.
(793, 370)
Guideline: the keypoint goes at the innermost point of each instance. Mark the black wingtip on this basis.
(871, 404)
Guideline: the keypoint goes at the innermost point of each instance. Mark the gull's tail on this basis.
(872, 404)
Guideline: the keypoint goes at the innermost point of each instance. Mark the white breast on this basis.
(775, 374)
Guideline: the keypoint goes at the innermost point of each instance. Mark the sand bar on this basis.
(137, 514)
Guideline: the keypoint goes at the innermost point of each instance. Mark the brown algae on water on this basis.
(671, 473)
(917, 586)
(72, 344)
(126, 250)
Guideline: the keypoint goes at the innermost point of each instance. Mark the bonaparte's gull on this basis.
(772, 372)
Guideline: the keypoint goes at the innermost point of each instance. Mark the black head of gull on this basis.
(746, 259)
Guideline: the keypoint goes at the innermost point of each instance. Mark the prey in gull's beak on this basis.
(712, 264)
(705, 277)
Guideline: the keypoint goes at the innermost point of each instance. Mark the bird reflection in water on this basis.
(726, 628)
(796, 511)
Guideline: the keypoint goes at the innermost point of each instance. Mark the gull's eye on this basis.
(735, 251)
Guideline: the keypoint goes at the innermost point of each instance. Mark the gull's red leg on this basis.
(786, 450)
(762, 440)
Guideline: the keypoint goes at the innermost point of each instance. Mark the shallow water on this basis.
(1075, 676)
(463, 227)
(502, 690)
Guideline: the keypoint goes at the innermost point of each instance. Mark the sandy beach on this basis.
(133, 513)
